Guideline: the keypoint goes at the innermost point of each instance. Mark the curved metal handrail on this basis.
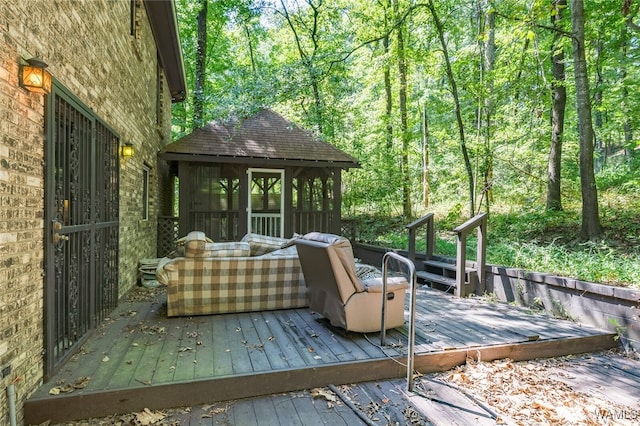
(412, 309)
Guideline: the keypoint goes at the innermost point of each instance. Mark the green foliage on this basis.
(541, 242)
(324, 68)
(623, 177)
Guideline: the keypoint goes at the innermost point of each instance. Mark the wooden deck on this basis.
(140, 359)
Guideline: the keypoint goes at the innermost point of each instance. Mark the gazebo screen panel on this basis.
(213, 193)
(312, 203)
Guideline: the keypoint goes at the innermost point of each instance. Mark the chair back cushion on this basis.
(344, 252)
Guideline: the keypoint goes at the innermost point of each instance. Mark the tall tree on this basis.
(425, 157)
(309, 59)
(402, 104)
(201, 64)
(387, 79)
(558, 106)
(456, 102)
(600, 145)
(591, 228)
(623, 72)
(487, 43)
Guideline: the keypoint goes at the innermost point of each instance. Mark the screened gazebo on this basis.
(263, 174)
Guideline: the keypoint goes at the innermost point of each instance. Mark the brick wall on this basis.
(91, 52)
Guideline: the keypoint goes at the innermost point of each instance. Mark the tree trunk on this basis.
(201, 61)
(388, 95)
(591, 228)
(404, 125)
(558, 106)
(425, 158)
(309, 59)
(250, 45)
(488, 14)
(622, 76)
(600, 148)
(456, 101)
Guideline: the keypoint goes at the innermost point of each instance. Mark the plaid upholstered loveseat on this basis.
(255, 274)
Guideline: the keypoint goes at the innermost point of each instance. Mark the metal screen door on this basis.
(81, 225)
(265, 214)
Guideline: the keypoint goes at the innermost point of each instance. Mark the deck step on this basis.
(436, 278)
(435, 264)
(442, 275)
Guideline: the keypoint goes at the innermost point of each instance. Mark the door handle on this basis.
(57, 226)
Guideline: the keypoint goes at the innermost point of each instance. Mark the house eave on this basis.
(164, 25)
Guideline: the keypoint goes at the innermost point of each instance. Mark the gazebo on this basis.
(263, 174)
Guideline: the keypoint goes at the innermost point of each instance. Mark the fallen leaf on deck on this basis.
(82, 382)
(105, 359)
(323, 393)
(61, 389)
(148, 417)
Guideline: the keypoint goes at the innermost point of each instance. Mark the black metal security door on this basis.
(81, 224)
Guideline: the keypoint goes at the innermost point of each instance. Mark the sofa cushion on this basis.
(197, 245)
(262, 244)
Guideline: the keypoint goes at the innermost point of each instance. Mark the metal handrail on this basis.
(412, 310)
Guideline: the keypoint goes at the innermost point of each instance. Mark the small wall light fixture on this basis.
(127, 150)
(34, 77)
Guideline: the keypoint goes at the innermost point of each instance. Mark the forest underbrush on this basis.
(532, 239)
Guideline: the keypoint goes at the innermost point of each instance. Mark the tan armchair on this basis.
(335, 291)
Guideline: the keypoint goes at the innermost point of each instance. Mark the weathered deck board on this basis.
(614, 379)
(285, 348)
(278, 351)
(221, 353)
(445, 406)
(205, 357)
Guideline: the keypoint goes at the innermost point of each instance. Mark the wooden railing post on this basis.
(481, 254)
(480, 222)
(412, 244)
(431, 238)
(461, 264)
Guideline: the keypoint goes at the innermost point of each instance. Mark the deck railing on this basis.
(219, 225)
(426, 220)
(267, 224)
(311, 220)
(478, 222)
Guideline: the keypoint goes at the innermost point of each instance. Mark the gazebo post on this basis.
(243, 202)
(336, 218)
(288, 202)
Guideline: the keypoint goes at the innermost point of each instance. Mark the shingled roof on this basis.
(265, 137)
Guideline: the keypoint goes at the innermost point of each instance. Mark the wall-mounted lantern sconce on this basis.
(34, 77)
(127, 150)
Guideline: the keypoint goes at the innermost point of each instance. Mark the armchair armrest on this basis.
(374, 285)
